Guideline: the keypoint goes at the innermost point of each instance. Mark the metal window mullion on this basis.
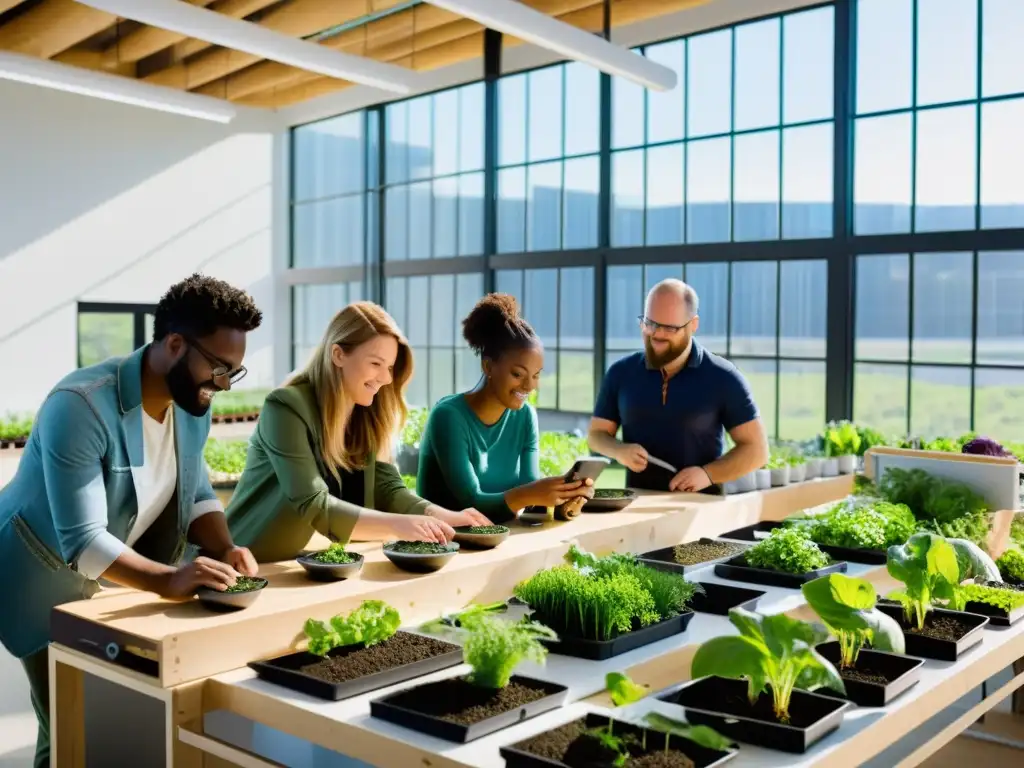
(913, 121)
(382, 133)
(912, 267)
(732, 139)
(782, 121)
(778, 348)
(975, 269)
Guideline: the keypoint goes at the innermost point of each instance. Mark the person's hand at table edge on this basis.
(690, 480)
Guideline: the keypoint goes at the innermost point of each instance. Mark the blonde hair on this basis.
(348, 445)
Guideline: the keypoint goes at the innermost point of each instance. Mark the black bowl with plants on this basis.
(331, 564)
(598, 741)
(691, 556)
(481, 536)
(945, 635)
(723, 704)
(762, 530)
(242, 594)
(609, 500)
(876, 677)
(719, 599)
(420, 556)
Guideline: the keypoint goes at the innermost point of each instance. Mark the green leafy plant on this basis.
(492, 646)
(419, 547)
(247, 584)
(775, 652)
(415, 422)
(841, 439)
(623, 690)
(227, 456)
(927, 566)
(617, 744)
(335, 554)
(973, 562)
(558, 451)
(869, 438)
(788, 550)
(1011, 566)
(776, 462)
(1017, 529)
(946, 507)
(1006, 600)
(372, 622)
(15, 426)
(859, 524)
(847, 607)
(242, 401)
(702, 735)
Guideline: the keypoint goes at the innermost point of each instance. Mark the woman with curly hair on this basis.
(480, 448)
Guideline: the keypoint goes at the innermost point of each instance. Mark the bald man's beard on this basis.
(672, 352)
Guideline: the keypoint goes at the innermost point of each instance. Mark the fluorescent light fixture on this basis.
(522, 21)
(101, 85)
(238, 35)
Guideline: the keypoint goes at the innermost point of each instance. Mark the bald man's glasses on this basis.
(652, 327)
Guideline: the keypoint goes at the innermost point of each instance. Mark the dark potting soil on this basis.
(940, 627)
(246, 584)
(419, 547)
(459, 701)
(863, 675)
(611, 493)
(481, 529)
(570, 744)
(344, 664)
(1019, 587)
(700, 552)
(803, 712)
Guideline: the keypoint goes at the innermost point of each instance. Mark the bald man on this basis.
(675, 401)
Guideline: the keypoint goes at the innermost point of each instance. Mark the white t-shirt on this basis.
(157, 478)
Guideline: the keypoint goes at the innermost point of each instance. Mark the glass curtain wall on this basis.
(858, 153)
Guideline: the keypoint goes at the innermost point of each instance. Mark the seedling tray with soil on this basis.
(723, 705)
(242, 594)
(481, 536)
(876, 679)
(455, 709)
(355, 669)
(684, 558)
(738, 570)
(419, 556)
(945, 636)
(997, 617)
(719, 599)
(601, 650)
(570, 746)
(609, 500)
(330, 566)
(759, 531)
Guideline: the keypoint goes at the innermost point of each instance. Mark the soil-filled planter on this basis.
(356, 669)
(684, 558)
(454, 709)
(997, 617)
(737, 569)
(601, 650)
(245, 592)
(945, 636)
(719, 599)
(876, 679)
(321, 571)
(481, 536)
(609, 500)
(723, 705)
(570, 746)
(419, 556)
(759, 531)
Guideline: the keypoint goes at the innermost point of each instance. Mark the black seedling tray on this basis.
(996, 617)
(719, 599)
(601, 650)
(901, 671)
(664, 559)
(721, 704)
(848, 554)
(934, 647)
(389, 708)
(737, 570)
(284, 670)
(702, 757)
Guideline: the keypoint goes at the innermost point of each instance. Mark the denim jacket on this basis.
(74, 483)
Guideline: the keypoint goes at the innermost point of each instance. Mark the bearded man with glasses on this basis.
(113, 484)
(675, 401)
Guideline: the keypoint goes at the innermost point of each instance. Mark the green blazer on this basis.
(282, 498)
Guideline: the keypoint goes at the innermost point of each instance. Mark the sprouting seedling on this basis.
(617, 744)
(698, 734)
(622, 689)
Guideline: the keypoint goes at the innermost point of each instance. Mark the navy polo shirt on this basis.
(705, 399)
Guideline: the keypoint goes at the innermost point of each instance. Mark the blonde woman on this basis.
(319, 460)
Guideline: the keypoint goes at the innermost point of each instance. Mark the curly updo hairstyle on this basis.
(495, 327)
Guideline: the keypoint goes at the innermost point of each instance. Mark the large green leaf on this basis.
(973, 561)
(785, 636)
(839, 599)
(886, 633)
(817, 672)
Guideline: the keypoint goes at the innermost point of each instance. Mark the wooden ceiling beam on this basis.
(99, 60)
(236, 9)
(6, 5)
(145, 41)
(299, 18)
(361, 41)
(53, 27)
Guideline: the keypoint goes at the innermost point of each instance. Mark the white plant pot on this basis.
(847, 464)
(813, 469)
(730, 488)
(763, 479)
(780, 476)
(747, 483)
(797, 473)
(829, 467)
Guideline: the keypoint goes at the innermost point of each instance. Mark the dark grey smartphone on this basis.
(589, 468)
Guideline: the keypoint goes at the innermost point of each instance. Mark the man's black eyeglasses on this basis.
(221, 369)
(653, 327)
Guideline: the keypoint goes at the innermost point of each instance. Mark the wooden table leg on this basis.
(67, 716)
(1017, 703)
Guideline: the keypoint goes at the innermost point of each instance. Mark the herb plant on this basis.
(946, 507)
(847, 607)
(787, 550)
(702, 735)
(1006, 600)
(1011, 566)
(775, 652)
(226, 456)
(372, 622)
(477, 530)
(927, 566)
(842, 439)
(246, 584)
(494, 647)
(859, 524)
(334, 555)
(419, 547)
(623, 690)
(1017, 529)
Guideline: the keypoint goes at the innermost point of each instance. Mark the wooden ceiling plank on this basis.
(298, 18)
(53, 27)
(146, 41)
(98, 60)
(236, 9)
(361, 41)
(7, 5)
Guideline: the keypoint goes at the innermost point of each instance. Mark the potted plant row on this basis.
(601, 607)
(786, 558)
(14, 430)
(231, 407)
(842, 443)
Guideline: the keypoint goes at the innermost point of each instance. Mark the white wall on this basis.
(106, 202)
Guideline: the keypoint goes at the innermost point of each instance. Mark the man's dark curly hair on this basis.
(199, 305)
